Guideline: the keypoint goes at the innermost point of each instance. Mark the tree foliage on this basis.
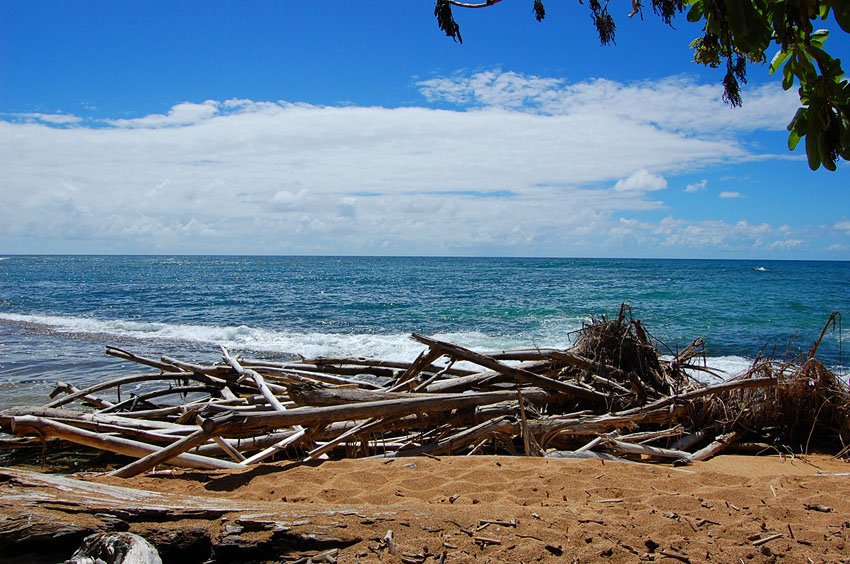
(736, 33)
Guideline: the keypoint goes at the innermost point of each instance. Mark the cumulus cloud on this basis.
(183, 114)
(697, 186)
(843, 226)
(730, 195)
(529, 165)
(641, 180)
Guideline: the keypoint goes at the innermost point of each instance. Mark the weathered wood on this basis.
(237, 424)
(162, 455)
(643, 450)
(723, 387)
(64, 387)
(126, 548)
(51, 429)
(519, 374)
(714, 448)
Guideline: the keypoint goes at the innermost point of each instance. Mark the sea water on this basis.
(58, 313)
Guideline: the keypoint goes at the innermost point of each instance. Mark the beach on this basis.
(473, 509)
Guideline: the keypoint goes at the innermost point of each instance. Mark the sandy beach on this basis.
(479, 509)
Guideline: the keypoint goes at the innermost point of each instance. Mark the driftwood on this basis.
(611, 395)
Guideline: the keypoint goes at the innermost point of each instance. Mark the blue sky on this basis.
(358, 128)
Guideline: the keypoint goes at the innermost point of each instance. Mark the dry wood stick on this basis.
(714, 448)
(363, 427)
(235, 424)
(162, 455)
(280, 445)
(47, 428)
(64, 387)
(708, 390)
(92, 419)
(127, 355)
(518, 374)
(631, 448)
(155, 394)
(229, 449)
(258, 379)
(408, 378)
(264, 389)
(319, 377)
(453, 443)
(133, 378)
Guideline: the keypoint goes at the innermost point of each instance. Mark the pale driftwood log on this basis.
(364, 427)
(138, 359)
(374, 363)
(302, 375)
(323, 396)
(242, 425)
(408, 377)
(300, 432)
(518, 374)
(712, 449)
(685, 442)
(132, 379)
(66, 388)
(585, 454)
(129, 402)
(645, 450)
(51, 429)
(123, 548)
(92, 420)
(162, 455)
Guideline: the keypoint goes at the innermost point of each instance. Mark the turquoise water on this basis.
(58, 312)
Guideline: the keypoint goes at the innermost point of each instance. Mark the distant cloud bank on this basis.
(497, 163)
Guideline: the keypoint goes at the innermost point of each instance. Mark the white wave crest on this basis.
(390, 346)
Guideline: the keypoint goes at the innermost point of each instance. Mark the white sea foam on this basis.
(391, 346)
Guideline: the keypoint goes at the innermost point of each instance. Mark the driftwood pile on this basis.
(611, 396)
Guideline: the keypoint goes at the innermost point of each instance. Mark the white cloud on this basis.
(677, 103)
(53, 119)
(641, 180)
(730, 195)
(697, 186)
(528, 170)
(843, 226)
(182, 114)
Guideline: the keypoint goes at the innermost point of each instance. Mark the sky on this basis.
(357, 128)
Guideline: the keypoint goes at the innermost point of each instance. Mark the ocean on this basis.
(58, 313)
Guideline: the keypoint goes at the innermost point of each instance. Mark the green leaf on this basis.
(793, 140)
(841, 12)
(696, 12)
(820, 35)
(788, 75)
(813, 145)
(778, 60)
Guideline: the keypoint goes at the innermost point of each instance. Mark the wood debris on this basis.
(612, 395)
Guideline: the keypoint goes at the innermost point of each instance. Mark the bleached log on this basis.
(119, 548)
(714, 448)
(644, 450)
(241, 425)
(65, 387)
(162, 455)
(52, 429)
(520, 375)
